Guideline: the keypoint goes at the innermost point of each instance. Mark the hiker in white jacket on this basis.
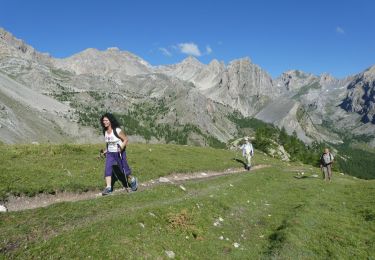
(247, 152)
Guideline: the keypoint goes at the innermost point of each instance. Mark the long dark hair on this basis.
(114, 123)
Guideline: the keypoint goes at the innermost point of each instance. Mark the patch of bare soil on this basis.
(43, 200)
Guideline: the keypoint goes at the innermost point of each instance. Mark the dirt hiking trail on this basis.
(42, 200)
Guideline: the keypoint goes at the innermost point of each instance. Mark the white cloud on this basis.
(340, 30)
(189, 49)
(208, 50)
(165, 52)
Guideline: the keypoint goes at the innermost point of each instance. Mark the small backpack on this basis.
(323, 159)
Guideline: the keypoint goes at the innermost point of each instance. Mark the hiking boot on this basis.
(107, 191)
(133, 183)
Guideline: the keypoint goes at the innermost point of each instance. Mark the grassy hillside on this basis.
(266, 213)
(32, 169)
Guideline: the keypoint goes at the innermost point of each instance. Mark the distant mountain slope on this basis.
(192, 94)
(28, 116)
(111, 62)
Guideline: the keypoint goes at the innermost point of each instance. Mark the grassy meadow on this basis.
(32, 169)
(261, 214)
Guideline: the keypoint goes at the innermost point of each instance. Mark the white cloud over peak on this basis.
(340, 30)
(208, 49)
(165, 52)
(189, 49)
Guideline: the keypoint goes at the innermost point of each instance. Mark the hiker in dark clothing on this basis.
(115, 152)
(326, 161)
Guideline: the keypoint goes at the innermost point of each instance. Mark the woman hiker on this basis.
(116, 142)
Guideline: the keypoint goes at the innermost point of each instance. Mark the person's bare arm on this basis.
(124, 139)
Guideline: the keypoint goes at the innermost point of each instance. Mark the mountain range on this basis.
(45, 99)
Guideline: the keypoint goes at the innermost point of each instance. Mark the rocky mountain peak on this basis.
(245, 61)
(216, 63)
(294, 79)
(191, 60)
(296, 100)
(370, 72)
(108, 62)
(12, 46)
(361, 95)
(6, 38)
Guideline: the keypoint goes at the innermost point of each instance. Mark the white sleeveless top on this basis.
(112, 141)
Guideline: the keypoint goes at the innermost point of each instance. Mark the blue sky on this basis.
(318, 36)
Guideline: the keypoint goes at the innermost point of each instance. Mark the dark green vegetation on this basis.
(268, 212)
(145, 119)
(142, 120)
(358, 162)
(354, 157)
(350, 160)
(266, 135)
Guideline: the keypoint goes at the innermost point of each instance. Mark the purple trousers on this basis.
(114, 159)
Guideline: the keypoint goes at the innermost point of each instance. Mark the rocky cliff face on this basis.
(194, 93)
(294, 80)
(241, 85)
(360, 96)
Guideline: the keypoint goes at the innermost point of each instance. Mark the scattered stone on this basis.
(170, 254)
(216, 224)
(152, 214)
(248, 201)
(267, 204)
(3, 208)
(261, 236)
(315, 175)
(150, 150)
(221, 238)
(231, 185)
(182, 188)
(221, 219)
(342, 173)
(163, 180)
(269, 215)
(142, 225)
(236, 245)
(203, 174)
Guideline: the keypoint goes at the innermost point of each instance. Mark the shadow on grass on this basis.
(315, 176)
(276, 240)
(240, 161)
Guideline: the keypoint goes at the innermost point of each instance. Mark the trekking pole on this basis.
(123, 171)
